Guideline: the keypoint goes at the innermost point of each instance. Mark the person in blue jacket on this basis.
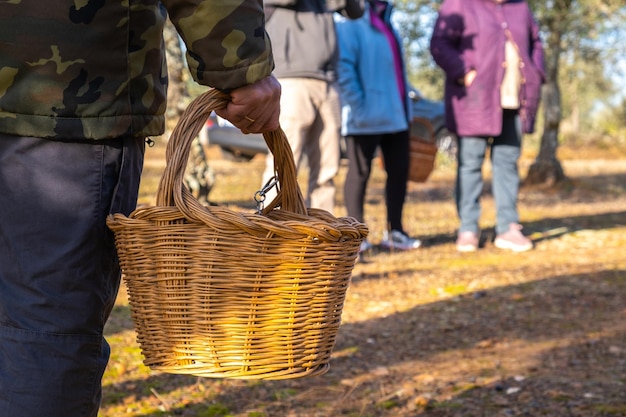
(375, 113)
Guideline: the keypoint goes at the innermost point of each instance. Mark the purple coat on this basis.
(470, 34)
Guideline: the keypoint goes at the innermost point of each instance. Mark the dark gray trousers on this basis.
(59, 275)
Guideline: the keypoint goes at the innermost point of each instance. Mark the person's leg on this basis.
(360, 152)
(505, 153)
(59, 273)
(469, 181)
(395, 151)
(323, 146)
(297, 114)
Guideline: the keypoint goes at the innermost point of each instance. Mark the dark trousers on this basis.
(361, 150)
(59, 275)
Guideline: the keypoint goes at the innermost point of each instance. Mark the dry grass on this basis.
(433, 332)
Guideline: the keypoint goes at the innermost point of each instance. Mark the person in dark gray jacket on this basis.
(305, 54)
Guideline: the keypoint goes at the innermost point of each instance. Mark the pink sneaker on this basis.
(513, 239)
(467, 242)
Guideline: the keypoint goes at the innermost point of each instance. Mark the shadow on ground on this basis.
(577, 323)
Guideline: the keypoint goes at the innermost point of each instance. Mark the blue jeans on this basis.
(59, 275)
(505, 153)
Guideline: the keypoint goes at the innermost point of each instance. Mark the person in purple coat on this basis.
(492, 55)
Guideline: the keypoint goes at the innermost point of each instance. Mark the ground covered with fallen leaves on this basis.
(434, 332)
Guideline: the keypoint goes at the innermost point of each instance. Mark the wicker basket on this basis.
(219, 293)
(422, 150)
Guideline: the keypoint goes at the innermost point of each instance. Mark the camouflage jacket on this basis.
(95, 69)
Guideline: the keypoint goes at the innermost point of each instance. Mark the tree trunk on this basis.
(177, 95)
(546, 169)
(199, 176)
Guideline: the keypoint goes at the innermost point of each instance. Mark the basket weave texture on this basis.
(219, 293)
(422, 150)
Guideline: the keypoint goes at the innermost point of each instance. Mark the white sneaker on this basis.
(365, 246)
(397, 240)
(467, 241)
(513, 239)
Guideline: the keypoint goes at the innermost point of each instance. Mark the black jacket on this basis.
(303, 36)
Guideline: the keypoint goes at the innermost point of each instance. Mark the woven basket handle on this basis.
(173, 192)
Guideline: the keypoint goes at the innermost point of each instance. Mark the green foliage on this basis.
(611, 410)
(214, 410)
(389, 404)
(415, 20)
(610, 124)
(285, 393)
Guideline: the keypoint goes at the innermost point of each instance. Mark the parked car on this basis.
(234, 144)
(243, 147)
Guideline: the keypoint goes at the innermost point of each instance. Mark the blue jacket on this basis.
(370, 103)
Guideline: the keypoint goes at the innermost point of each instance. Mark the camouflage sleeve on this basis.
(227, 45)
(95, 69)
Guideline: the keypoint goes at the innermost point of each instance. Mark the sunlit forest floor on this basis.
(434, 332)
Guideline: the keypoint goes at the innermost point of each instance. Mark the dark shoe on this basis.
(467, 242)
(513, 239)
